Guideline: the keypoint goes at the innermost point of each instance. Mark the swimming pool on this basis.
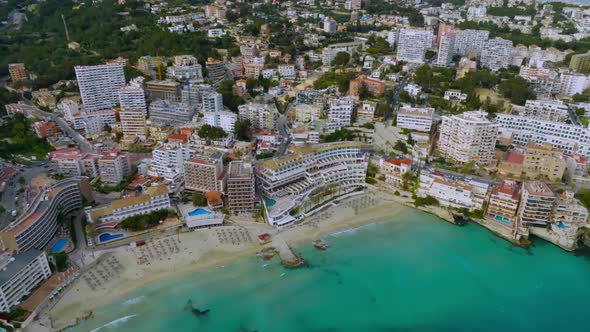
(502, 220)
(269, 201)
(563, 226)
(58, 246)
(199, 212)
(106, 237)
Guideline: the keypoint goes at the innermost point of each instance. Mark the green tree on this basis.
(243, 130)
(516, 90)
(341, 59)
(198, 199)
(211, 133)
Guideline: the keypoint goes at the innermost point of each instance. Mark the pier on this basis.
(288, 258)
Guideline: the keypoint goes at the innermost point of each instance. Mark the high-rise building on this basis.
(204, 172)
(99, 86)
(497, 54)
(446, 49)
(570, 138)
(19, 275)
(470, 42)
(212, 102)
(113, 167)
(573, 83)
(580, 63)
(18, 72)
(223, 119)
(133, 111)
(261, 116)
(536, 204)
(413, 44)
(468, 137)
(340, 113)
(330, 25)
(239, 188)
(216, 70)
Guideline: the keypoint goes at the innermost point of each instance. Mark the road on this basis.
(284, 130)
(84, 145)
(395, 98)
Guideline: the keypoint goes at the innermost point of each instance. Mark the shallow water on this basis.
(413, 274)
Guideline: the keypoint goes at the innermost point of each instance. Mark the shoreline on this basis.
(80, 300)
(357, 211)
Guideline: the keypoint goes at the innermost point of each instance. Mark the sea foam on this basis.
(114, 323)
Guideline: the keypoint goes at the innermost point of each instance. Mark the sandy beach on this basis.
(205, 248)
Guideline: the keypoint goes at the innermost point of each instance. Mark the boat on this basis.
(199, 313)
(320, 245)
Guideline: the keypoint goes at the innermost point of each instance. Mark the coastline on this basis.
(80, 300)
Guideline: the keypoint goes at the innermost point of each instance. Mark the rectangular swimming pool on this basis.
(58, 246)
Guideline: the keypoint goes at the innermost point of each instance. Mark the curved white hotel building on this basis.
(287, 181)
(38, 224)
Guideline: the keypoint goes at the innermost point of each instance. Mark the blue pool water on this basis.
(106, 237)
(563, 226)
(269, 201)
(502, 220)
(199, 212)
(59, 246)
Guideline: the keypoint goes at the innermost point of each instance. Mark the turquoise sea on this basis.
(414, 273)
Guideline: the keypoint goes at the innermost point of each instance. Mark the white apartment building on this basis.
(468, 137)
(287, 71)
(212, 102)
(470, 41)
(168, 159)
(185, 72)
(330, 25)
(154, 199)
(570, 138)
(185, 60)
(413, 44)
(340, 113)
(573, 83)
(446, 49)
(113, 167)
(37, 225)
(455, 94)
(415, 118)
(307, 112)
(545, 109)
(536, 204)
(19, 275)
(261, 116)
(95, 122)
(452, 191)
(99, 86)
(568, 211)
(288, 181)
(224, 119)
(497, 54)
(171, 113)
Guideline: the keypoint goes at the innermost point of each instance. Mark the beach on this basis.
(206, 248)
